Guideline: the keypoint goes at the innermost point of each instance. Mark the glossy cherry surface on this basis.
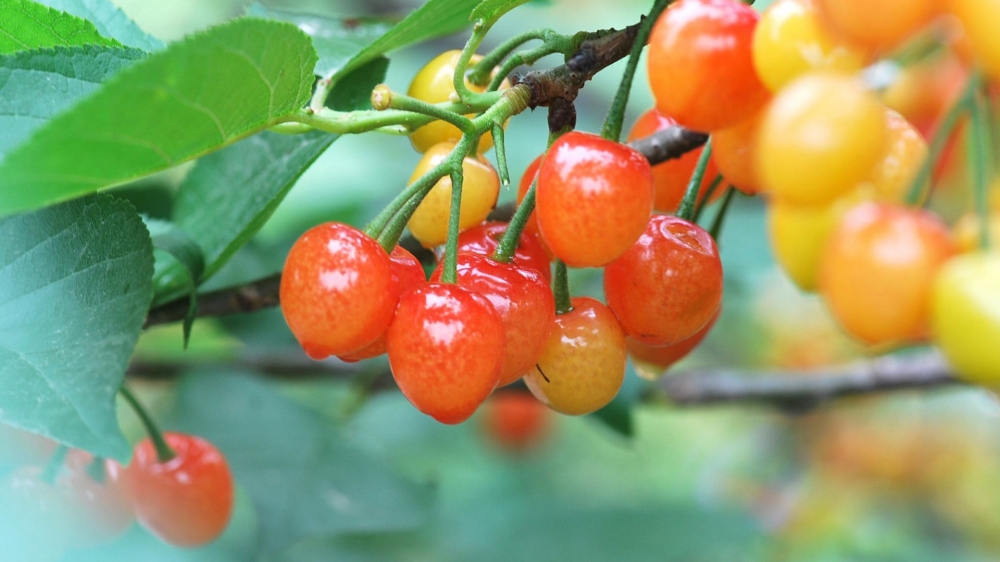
(485, 238)
(446, 349)
(531, 227)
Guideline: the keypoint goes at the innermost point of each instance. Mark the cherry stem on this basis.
(479, 74)
(449, 273)
(703, 202)
(612, 129)
(163, 451)
(55, 463)
(560, 288)
(383, 98)
(918, 193)
(979, 162)
(716, 229)
(500, 148)
(686, 208)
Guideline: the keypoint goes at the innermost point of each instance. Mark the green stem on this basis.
(612, 129)
(449, 273)
(523, 58)
(979, 161)
(389, 120)
(703, 202)
(163, 451)
(916, 194)
(479, 74)
(686, 208)
(512, 235)
(51, 470)
(560, 289)
(393, 231)
(500, 149)
(402, 102)
(716, 229)
(422, 185)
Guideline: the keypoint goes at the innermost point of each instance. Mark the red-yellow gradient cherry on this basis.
(670, 178)
(583, 365)
(485, 238)
(905, 151)
(515, 421)
(337, 292)
(186, 501)
(531, 227)
(653, 361)
(668, 285)
(446, 349)
(877, 271)
(734, 151)
(700, 63)
(524, 301)
(877, 25)
(407, 272)
(593, 198)
(480, 189)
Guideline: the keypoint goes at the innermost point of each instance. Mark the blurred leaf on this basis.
(28, 25)
(109, 21)
(490, 10)
(618, 415)
(304, 479)
(75, 284)
(196, 96)
(64, 74)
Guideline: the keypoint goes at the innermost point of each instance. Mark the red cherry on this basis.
(186, 501)
(446, 346)
(337, 291)
(485, 238)
(701, 66)
(668, 285)
(406, 273)
(593, 198)
(663, 357)
(515, 421)
(524, 301)
(531, 227)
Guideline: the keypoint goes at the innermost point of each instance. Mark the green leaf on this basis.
(197, 96)
(28, 25)
(109, 21)
(173, 247)
(75, 284)
(64, 74)
(490, 10)
(303, 477)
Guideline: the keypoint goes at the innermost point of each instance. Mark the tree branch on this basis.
(250, 297)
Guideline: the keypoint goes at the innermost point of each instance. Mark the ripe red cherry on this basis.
(531, 227)
(406, 273)
(485, 238)
(668, 285)
(337, 291)
(186, 501)
(524, 301)
(515, 421)
(701, 63)
(660, 358)
(446, 347)
(593, 198)
(670, 178)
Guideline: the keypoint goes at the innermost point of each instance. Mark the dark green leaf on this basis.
(303, 477)
(109, 21)
(173, 247)
(197, 96)
(64, 74)
(617, 416)
(75, 284)
(27, 25)
(490, 10)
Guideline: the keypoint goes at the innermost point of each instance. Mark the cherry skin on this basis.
(700, 64)
(652, 362)
(877, 270)
(515, 421)
(583, 365)
(734, 151)
(407, 272)
(531, 227)
(670, 178)
(103, 507)
(485, 238)
(186, 501)
(524, 301)
(337, 291)
(480, 188)
(593, 198)
(446, 349)
(905, 150)
(668, 285)
(877, 25)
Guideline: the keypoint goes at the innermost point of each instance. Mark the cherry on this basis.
(515, 421)
(407, 272)
(734, 150)
(522, 298)
(531, 227)
(337, 291)
(583, 365)
(485, 238)
(653, 361)
(446, 347)
(593, 198)
(186, 501)
(104, 511)
(668, 285)
(905, 150)
(700, 63)
(877, 25)
(965, 314)
(671, 178)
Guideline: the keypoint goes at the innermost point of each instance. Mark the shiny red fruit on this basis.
(337, 292)
(664, 356)
(446, 347)
(485, 238)
(524, 301)
(186, 501)
(593, 198)
(531, 227)
(668, 285)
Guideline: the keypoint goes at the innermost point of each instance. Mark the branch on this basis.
(250, 297)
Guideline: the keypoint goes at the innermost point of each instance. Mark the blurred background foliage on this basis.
(328, 472)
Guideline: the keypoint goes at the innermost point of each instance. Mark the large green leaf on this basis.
(64, 75)
(75, 284)
(303, 477)
(28, 25)
(196, 96)
(109, 21)
(492, 9)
